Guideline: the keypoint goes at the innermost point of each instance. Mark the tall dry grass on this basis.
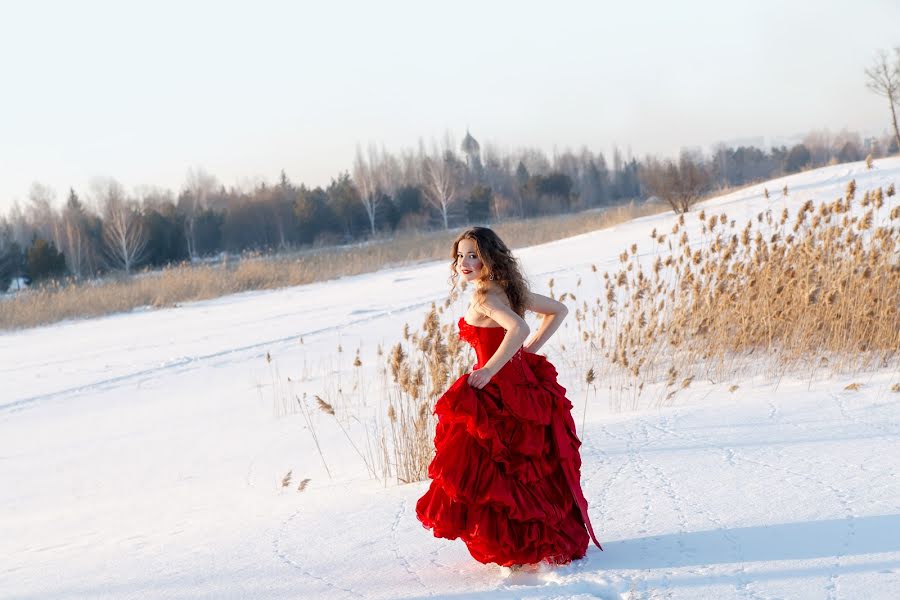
(819, 288)
(422, 365)
(169, 286)
(393, 436)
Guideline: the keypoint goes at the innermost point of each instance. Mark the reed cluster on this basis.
(819, 287)
(422, 365)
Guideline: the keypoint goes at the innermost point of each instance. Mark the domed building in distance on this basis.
(472, 150)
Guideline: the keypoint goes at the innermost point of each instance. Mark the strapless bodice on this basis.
(485, 340)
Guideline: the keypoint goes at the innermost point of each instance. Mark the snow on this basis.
(142, 454)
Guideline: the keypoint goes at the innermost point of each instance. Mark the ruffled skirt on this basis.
(506, 470)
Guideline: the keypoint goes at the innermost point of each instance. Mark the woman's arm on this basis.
(553, 314)
(516, 332)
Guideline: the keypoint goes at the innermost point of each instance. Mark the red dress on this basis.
(506, 470)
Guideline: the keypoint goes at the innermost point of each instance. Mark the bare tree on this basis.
(884, 79)
(440, 183)
(198, 187)
(365, 176)
(40, 213)
(376, 175)
(820, 144)
(75, 245)
(277, 207)
(534, 160)
(410, 168)
(680, 184)
(124, 237)
(389, 173)
(20, 228)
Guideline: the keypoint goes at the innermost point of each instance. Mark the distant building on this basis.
(472, 150)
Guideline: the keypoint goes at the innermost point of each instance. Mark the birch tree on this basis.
(365, 178)
(440, 182)
(124, 237)
(74, 239)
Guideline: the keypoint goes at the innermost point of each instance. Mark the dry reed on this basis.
(420, 372)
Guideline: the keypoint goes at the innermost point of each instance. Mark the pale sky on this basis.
(143, 91)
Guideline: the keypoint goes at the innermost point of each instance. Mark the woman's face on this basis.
(468, 265)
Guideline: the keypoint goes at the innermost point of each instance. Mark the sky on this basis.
(144, 91)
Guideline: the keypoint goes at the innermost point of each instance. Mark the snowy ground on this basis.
(141, 456)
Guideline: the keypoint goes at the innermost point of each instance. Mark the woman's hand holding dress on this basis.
(480, 377)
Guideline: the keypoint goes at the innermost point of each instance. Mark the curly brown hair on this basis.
(498, 261)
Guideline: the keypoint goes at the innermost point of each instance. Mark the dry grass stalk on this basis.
(311, 427)
(328, 409)
(589, 381)
(324, 406)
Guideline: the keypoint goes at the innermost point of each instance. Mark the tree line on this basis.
(438, 187)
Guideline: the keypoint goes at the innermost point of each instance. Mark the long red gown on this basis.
(506, 470)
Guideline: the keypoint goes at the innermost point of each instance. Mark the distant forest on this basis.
(440, 186)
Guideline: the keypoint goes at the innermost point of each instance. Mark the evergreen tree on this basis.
(522, 175)
(343, 197)
(797, 158)
(478, 204)
(596, 182)
(43, 260)
(314, 215)
(410, 205)
(12, 262)
(165, 233)
(208, 232)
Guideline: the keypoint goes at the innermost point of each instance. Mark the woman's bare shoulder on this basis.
(486, 311)
(499, 295)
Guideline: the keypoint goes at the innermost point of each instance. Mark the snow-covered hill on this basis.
(142, 455)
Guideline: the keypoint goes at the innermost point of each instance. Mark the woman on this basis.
(506, 470)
